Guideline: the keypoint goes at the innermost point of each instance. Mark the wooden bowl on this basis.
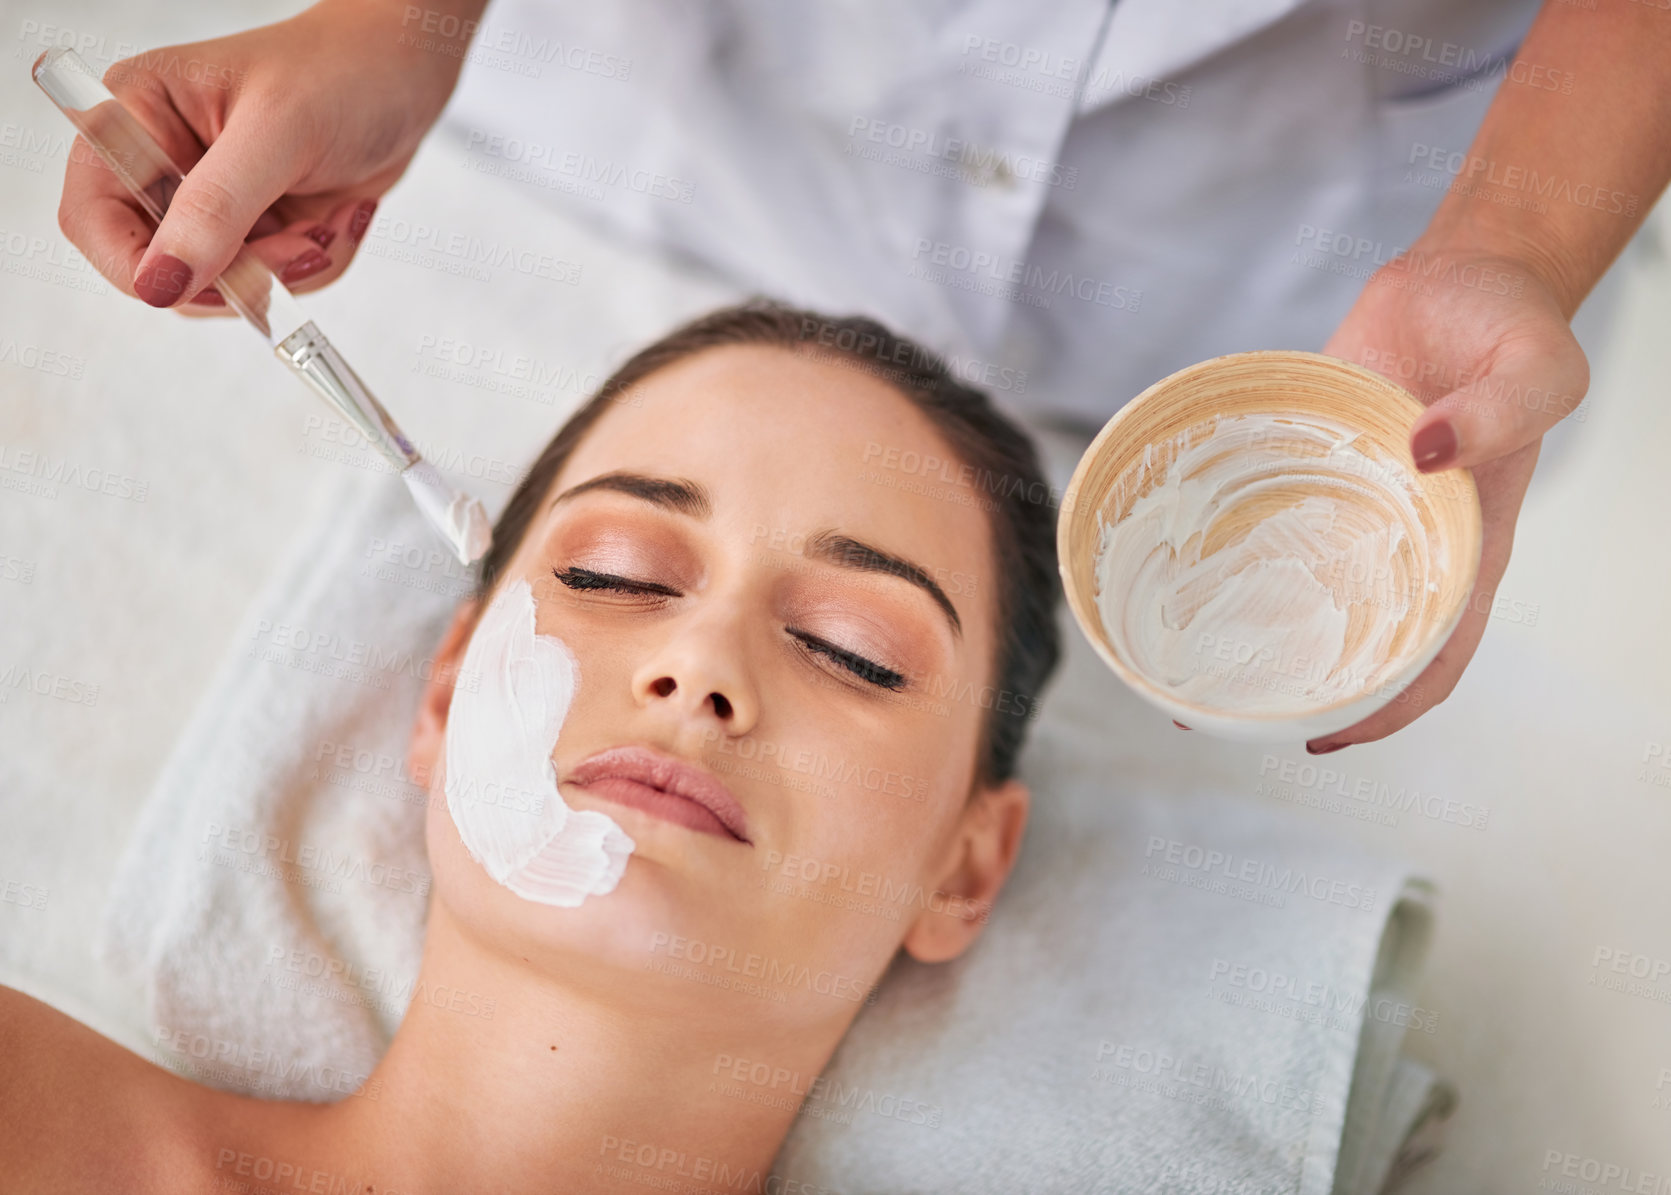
(1309, 573)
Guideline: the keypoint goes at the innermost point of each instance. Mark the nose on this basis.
(701, 670)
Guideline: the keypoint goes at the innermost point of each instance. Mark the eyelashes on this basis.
(587, 580)
(867, 670)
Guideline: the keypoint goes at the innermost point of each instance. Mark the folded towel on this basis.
(1177, 991)
(1170, 997)
(282, 838)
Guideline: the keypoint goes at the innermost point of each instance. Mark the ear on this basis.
(429, 731)
(983, 849)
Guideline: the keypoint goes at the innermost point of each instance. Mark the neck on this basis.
(544, 1089)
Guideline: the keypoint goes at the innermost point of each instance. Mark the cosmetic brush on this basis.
(251, 289)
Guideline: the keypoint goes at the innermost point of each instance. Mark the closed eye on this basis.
(585, 578)
(867, 670)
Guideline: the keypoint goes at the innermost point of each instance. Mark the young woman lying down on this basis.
(760, 630)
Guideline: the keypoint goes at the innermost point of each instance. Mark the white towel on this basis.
(1115, 1029)
(282, 837)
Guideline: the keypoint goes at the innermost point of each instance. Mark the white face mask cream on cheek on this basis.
(1277, 568)
(501, 783)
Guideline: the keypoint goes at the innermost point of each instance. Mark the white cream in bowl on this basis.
(1275, 569)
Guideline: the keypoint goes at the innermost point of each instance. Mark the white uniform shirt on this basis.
(1069, 199)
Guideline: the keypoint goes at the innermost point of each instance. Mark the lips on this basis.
(664, 787)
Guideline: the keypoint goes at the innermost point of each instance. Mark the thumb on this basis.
(1527, 388)
(216, 205)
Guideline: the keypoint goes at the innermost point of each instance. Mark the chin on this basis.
(612, 932)
(687, 937)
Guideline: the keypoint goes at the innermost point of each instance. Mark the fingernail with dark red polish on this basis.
(1179, 724)
(209, 297)
(161, 282)
(322, 235)
(361, 221)
(1434, 446)
(304, 266)
(1324, 750)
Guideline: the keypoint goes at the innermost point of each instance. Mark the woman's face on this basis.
(751, 584)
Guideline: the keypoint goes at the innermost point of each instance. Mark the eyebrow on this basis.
(673, 493)
(691, 498)
(844, 550)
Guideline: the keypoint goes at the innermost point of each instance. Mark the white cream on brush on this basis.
(460, 518)
(1275, 569)
(501, 784)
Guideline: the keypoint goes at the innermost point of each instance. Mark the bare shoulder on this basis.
(80, 1113)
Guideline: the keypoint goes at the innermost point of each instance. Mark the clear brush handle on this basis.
(248, 286)
(152, 177)
(251, 289)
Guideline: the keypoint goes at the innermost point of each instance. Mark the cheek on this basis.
(860, 868)
(919, 759)
(875, 810)
(602, 635)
